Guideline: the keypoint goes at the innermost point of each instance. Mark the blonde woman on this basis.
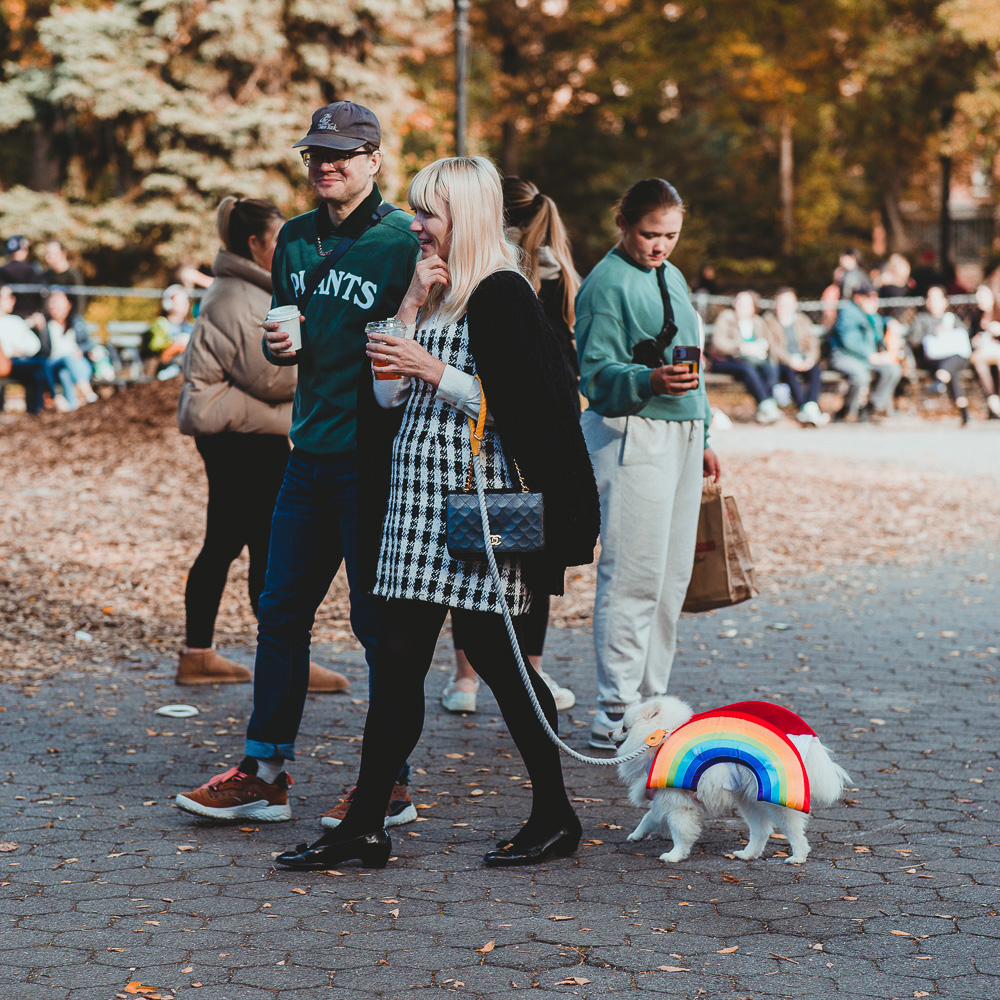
(533, 223)
(475, 315)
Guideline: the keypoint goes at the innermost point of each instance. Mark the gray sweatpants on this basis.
(649, 474)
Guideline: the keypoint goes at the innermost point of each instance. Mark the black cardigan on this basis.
(533, 401)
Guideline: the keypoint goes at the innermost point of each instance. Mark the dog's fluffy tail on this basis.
(826, 777)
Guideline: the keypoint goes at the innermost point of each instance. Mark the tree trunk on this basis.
(44, 169)
(899, 241)
(510, 141)
(786, 180)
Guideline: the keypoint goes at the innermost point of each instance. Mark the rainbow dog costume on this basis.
(766, 738)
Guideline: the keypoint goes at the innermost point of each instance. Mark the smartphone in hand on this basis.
(689, 357)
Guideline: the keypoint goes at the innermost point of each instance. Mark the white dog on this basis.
(721, 789)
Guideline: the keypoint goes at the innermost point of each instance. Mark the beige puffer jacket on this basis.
(228, 384)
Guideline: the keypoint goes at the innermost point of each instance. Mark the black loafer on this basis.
(371, 850)
(560, 843)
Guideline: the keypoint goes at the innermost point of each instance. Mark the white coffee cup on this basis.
(287, 318)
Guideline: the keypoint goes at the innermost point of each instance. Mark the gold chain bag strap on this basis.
(516, 522)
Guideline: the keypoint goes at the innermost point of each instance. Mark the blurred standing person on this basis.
(794, 347)
(739, 347)
(479, 329)
(533, 223)
(314, 528)
(21, 270)
(944, 346)
(858, 351)
(850, 272)
(238, 408)
(985, 323)
(58, 271)
(647, 433)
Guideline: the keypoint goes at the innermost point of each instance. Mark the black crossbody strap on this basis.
(336, 254)
(668, 308)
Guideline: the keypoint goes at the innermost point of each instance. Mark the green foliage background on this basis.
(124, 123)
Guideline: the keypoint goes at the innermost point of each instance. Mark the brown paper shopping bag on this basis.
(723, 572)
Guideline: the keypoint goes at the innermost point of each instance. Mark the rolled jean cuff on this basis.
(268, 751)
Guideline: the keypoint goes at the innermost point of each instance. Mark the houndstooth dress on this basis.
(430, 457)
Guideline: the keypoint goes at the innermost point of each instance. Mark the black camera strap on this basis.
(337, 253)
(669, 330)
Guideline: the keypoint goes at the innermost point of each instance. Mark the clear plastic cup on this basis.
(392, 328)
(287, 318)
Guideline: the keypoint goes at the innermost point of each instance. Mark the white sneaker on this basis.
(811, 414)
(768, 412)
(460, 695)
(993, 402)
(563, 696)
(603, 723)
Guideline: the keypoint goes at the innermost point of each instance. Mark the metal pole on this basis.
(461, 75)
(947, 112)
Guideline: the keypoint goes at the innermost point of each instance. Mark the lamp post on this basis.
(461, 75)
(944, 255)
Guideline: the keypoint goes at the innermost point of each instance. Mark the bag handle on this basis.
(477, 429)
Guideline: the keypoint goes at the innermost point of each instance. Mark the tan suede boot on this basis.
(325, 681)
(206, 666)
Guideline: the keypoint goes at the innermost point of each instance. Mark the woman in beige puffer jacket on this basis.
(238, 408)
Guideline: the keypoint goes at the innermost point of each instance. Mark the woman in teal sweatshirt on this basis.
(647, 431)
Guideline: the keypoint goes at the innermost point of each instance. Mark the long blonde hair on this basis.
(536, 215)
(467, 188)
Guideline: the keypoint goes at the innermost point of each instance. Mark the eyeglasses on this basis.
(318, 156)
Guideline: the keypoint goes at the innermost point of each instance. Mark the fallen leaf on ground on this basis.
(301, 892)
(8, 845)
(574, 981)
(672, 968)
(137, 987)
(900, 933)
(557, 917)
(488, 947)
(728, 951)
(862, 850)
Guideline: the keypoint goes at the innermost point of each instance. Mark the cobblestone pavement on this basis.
(110, 884)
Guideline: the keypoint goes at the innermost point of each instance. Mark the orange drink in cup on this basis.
(391, 327)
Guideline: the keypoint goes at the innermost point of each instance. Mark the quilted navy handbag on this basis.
(516, 523)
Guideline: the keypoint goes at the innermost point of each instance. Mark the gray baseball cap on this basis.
(343, 125)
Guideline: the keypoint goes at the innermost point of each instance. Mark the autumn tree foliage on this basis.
(788, 128)
(125, 123)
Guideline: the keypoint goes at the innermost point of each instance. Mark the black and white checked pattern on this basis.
(430, 457)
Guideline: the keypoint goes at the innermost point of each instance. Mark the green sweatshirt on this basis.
(618, 306)
(367, 283)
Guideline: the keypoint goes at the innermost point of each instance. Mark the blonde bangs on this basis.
(469, 190)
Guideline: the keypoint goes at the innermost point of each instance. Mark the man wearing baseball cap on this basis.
(344, 264)
(20, 270)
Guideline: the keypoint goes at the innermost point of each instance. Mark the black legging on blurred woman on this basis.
(244, 475)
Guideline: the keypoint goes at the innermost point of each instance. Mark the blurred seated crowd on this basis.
(876, 346)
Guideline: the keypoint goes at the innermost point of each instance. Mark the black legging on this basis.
(953, 366)
(244, 475)
(407, 634)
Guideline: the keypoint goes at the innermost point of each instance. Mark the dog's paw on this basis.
(674, 856)
(746, 855)
(796, 859)
(635, 835)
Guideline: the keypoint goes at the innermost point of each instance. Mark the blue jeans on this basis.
(804, 386)
(313, 530)
(759, 377)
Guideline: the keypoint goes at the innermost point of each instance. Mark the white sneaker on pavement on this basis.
(460, 695)
(603, 723)
(563, 696)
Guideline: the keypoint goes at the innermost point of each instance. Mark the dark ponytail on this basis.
(240, 218)
(644, 196)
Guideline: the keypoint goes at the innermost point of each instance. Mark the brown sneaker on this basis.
(401, 809)
(325, 681)
(239, 794)
(205, 666)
